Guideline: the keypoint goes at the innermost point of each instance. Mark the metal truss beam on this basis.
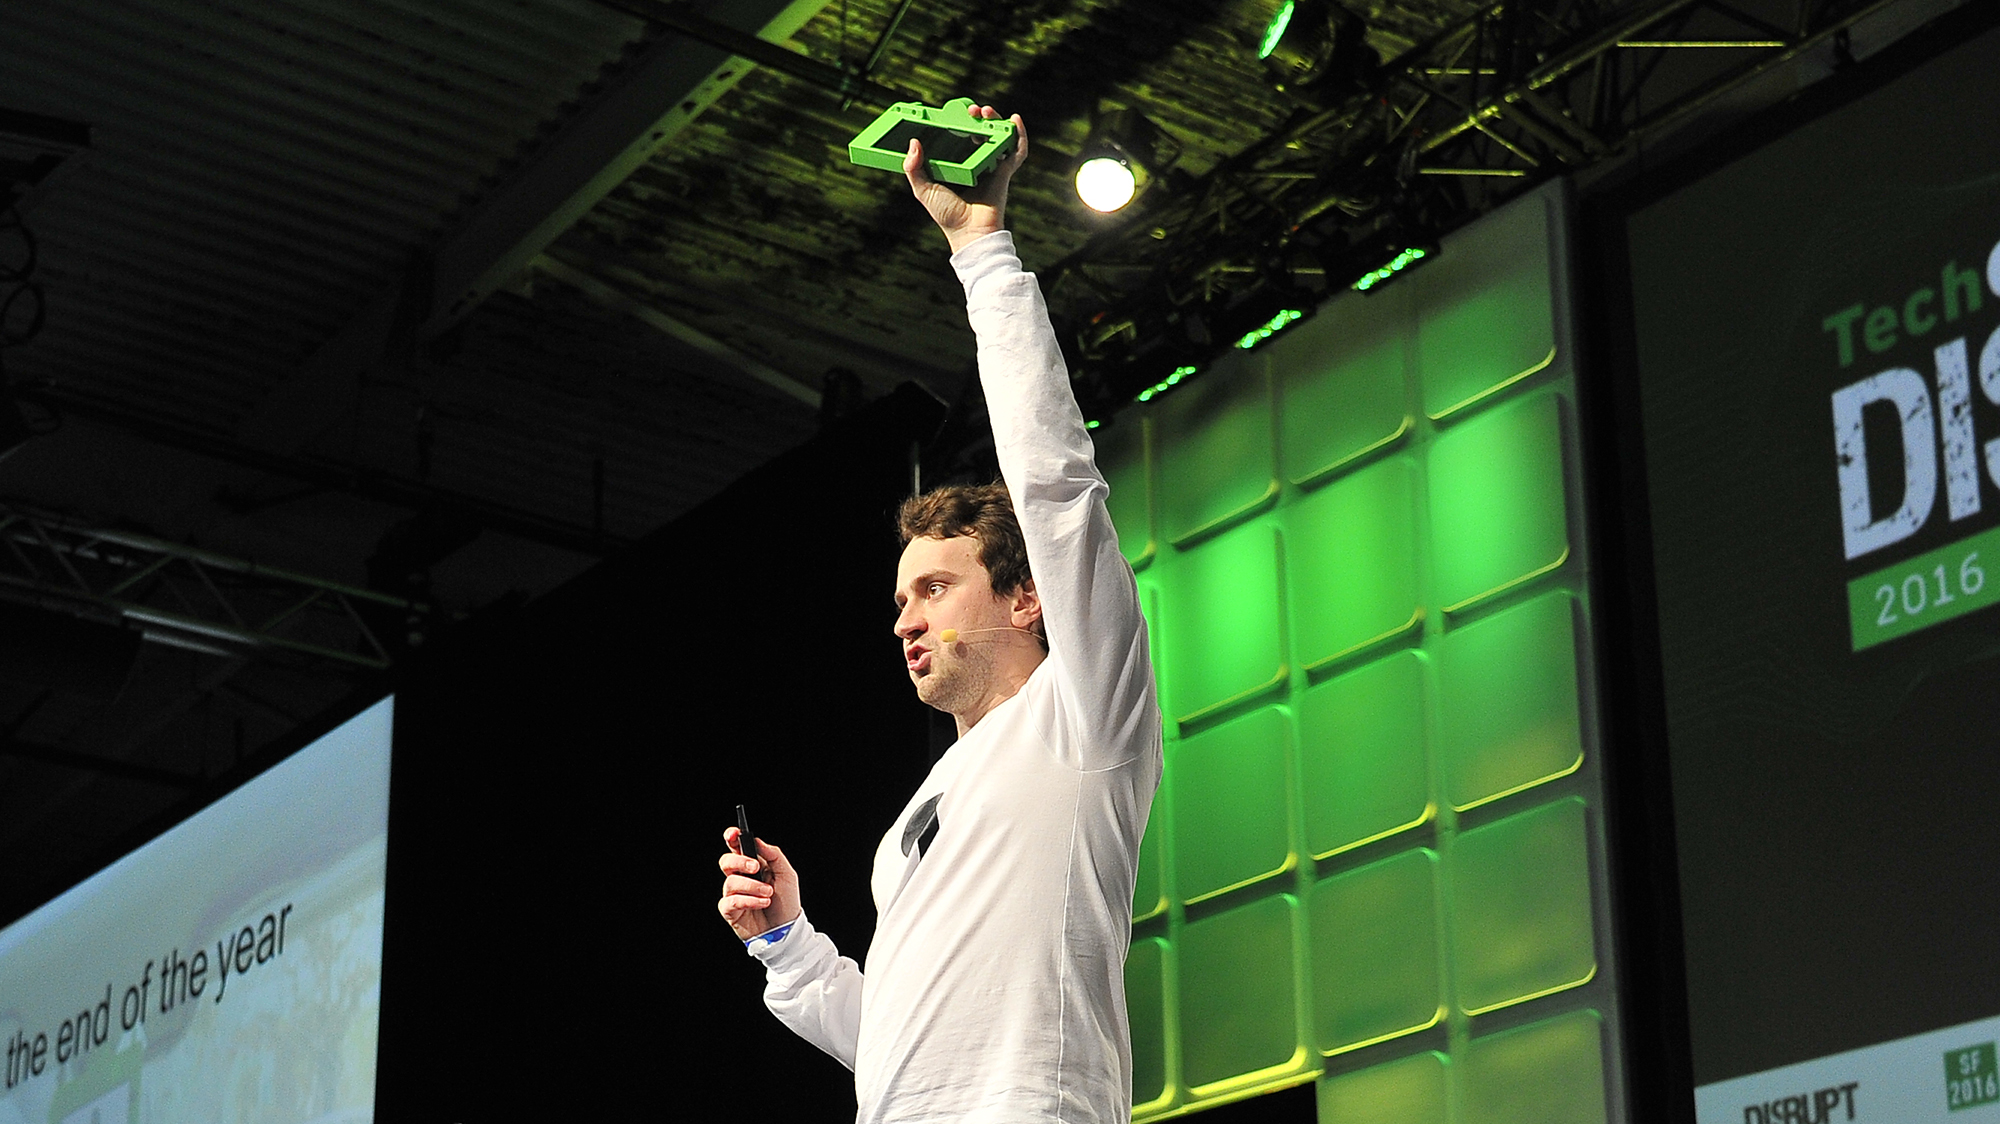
(194, 599)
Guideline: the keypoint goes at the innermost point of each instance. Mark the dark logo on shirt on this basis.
(922, 827)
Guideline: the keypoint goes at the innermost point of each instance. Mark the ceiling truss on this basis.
(1518, 93)
(201, 601)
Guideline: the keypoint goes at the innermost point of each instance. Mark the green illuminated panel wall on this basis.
(1376, 860)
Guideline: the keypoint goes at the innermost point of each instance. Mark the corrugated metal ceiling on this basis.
(264, 173)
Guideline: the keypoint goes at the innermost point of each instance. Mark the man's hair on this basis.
(980, 511)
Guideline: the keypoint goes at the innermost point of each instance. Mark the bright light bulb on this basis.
(1105, 184)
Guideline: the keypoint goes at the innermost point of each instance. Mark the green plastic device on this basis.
(958, 148)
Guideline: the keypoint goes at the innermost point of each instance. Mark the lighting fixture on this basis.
(1123, 154)
(1105, 183)
(1404, 259)
(1269, 328)
(1315, 45)
(1165, 384)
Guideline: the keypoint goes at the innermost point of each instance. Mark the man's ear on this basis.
(1025, 607)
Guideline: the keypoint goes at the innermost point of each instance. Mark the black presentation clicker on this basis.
(746, 843)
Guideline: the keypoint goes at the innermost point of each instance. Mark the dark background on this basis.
(1835, 812)
(561, 782)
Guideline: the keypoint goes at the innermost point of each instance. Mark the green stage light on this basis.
(1276, 31)
(1314, 46)
(1165, 384)
(1269, 328)
(1408, 257)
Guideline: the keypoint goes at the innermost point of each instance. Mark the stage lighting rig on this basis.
(1124, 153)
(1315, 48)
(1364, 255)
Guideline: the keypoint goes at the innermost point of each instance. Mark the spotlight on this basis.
(1314, 45)
(1124, 153)
(1105, 183)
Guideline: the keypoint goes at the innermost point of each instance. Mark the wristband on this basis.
(762, 941)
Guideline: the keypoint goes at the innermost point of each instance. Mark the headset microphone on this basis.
(950, 635)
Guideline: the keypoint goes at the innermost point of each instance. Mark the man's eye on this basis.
(934, 589)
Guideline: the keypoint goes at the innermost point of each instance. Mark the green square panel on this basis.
(1238, 998)
(1498, 515)
(1351, 559)
(1149, 893)
(1124, 457)
(1362, 755)
(1412, 1090)
(1230, 821)
(1213, 441)
(1146, 1010)
(1374, 937)
(1520, 907)
(1342, 383)
(1508, 710)
(1488, 315)
(1223, 635)
(1549, 1072)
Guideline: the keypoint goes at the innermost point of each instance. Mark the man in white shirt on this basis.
(994, 987)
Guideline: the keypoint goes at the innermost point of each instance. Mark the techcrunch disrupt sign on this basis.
(1924, 1079)
(1932, 412)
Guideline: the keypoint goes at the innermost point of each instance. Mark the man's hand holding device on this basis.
(760, 890)
(958, 159)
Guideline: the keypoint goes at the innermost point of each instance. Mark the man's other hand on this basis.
(751, 905)
(967, 214)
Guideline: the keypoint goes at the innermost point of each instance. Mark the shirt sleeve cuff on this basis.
(771, 945)
(986, 257)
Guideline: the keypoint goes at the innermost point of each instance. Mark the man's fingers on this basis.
(736, 885)
(735, 855)
(734, 907)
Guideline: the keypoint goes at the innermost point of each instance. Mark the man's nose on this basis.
(909, 623)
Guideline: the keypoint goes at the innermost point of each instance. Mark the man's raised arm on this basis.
(1097, 637)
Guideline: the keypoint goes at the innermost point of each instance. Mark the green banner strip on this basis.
(1919, 592)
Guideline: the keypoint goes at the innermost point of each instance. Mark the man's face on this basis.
(941, 584)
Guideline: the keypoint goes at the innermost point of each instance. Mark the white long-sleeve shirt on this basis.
(994, 991)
